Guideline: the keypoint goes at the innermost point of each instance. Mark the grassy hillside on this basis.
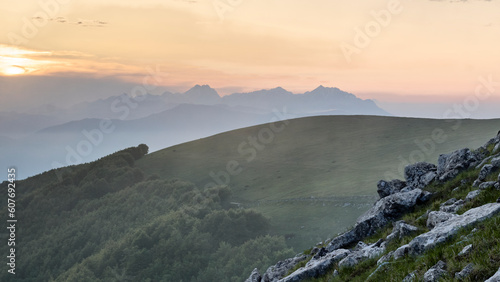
(308, 177)
(104, 221)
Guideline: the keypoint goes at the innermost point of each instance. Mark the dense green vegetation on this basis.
(485, 238)
(339, 157)
(104, 221)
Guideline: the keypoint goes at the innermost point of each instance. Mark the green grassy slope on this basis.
(328, 158)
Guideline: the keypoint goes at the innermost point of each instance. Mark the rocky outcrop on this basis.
(436, 272)
(445, 230)
(472, 195)
(317, 266)
(495, 277)
(400, 230)
(465, 251)
(398, 197)
(386, 188)
(279, 270)
(450, 165)
(420, 175)
(436, 217)
(384, 210)
(254, 276)
(362, 252)
(464, 273)
(452, 205)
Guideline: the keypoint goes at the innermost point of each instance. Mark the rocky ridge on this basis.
(398, 197)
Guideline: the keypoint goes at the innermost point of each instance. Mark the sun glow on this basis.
(14, 70)
(17, 61)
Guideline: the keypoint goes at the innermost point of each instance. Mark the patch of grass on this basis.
(329, 156)
(485, 240)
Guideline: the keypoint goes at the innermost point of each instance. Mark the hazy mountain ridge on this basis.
(159, 120)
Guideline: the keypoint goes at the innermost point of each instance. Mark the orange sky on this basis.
(420, 50)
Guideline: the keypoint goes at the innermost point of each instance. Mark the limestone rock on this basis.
(435, 272)
(401, 252)
(465, 251)
(386, 188)
(384, 210)
(445, 230)
(411, 277)
(450, 165)
(487, 185)
(472, 195)
(464, 273)
(367, 251)
(485, 171)
(385, 258)
(436, 217)
(277, 271)
(254, 277)
(452, 205)
(495, 277)
(420, 174)
(317, 267)
(400, 230)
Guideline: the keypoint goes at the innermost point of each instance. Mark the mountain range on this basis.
(49, 136)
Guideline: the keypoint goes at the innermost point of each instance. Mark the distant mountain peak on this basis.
(202, 94)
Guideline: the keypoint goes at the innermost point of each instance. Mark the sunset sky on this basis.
(417, 51)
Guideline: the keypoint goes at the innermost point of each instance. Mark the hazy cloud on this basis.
(79, 22)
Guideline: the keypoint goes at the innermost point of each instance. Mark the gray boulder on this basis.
(436, 272)
(450, 165)
(495, 277)
(465, 251)
(420, 175)
(487, 185)
(472, 195)
(464, 273)
(401, 251)
(384, 210)
(279, 270)
(485, 171)
(452, 205)
(367, 251)
(254, 277)
(445, 230)
(400, 230)
(436, 217)
(386, 188)
(411, 277)
(317, 267)
(495, 162)
(385, 258)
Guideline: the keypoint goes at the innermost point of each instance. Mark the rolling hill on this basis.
(316, 169)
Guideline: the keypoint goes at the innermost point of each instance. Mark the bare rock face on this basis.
(386, 188)
(366, 251)
(420, 175)
(436, 217)
(254, 276)
(279, 270)
(495, 277)
(450, 165)
(485, 171)
(452, 205)
(384, 210)
(436, 272)
(445, 230)
(400, 230)
(317, 266)
(472, 195)
(464, 273)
